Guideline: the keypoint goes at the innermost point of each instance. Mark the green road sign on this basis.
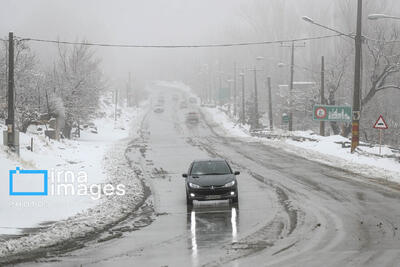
(285, 118)
(332, 113)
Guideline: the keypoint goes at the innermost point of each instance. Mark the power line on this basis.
(177, 46)
(195, 46)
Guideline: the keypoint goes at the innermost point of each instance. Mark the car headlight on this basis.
(229, 184)
(194, 185)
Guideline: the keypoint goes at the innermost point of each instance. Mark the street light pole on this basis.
(128, 91)
(209, 85)
(256, 122)
(270, 114)
(234, 89)
(322, 93)
(10, 122)
(230, 81)
(243, 115)
(357, 81)
(292, 46)
(310, 20)
(291, 89)
(220, 88)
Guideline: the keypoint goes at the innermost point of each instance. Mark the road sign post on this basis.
(285, 121)
(285, 118)
(380, 124)
(380, 141)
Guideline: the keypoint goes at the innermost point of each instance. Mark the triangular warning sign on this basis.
(380, 123)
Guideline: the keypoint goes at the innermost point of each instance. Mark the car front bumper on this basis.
(212, 194)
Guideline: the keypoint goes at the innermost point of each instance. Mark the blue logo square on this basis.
(35, 193)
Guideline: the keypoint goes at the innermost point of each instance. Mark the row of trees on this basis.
(69, 90)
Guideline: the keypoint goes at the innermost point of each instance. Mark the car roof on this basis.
(213, 160)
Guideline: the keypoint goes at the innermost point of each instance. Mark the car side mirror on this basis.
(236, 173)
(184, 175)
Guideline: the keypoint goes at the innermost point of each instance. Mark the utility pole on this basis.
(255, 122)
(271, 122)
(128, 89)
(38, 91)
(292, 46)
(209, 85)
(234, 90)
(12, 135)
(220, 88)
(243, 114)
(256, 117)
(229, 81)
(6, 69)
(291, 89)
(116, 107)
(206, 82)
(322, 93)
(355, 138)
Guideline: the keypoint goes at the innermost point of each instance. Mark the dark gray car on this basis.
(211, 179)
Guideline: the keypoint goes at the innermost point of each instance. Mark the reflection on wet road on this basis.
(212, 224)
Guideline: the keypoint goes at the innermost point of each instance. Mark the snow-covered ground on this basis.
(100, 155)
(327, 150)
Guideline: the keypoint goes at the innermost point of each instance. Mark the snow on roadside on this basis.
(102, 156)
(324, 149)
(109, 211)
(83, 154)
(231, 128)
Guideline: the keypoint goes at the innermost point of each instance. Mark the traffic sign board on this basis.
(332, 113)
(356, 115)
(381, 123)
(320, 113)
(285, 118)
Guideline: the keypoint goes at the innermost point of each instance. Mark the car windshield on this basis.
(210, 167)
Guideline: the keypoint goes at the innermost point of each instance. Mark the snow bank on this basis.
(109, 211)
(327, 150)
(100, 152)
(232, 128)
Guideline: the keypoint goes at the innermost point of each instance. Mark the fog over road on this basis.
(292, 211)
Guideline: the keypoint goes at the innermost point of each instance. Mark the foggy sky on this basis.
(156, 22)
(120, 21)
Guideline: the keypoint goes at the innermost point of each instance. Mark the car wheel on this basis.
(189, 201)
(235, 199)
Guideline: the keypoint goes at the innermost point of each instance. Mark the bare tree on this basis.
(77, 80)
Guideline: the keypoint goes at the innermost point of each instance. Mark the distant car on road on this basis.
(158, 109)
(211, 179)
(192, 117)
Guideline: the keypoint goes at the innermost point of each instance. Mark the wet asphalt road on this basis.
(292, 211)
